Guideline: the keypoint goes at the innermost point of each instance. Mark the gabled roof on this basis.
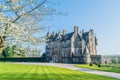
(62, 37)
(67, 36)
(51, 37)
(79, 37)
(84, 35)
(55, 37)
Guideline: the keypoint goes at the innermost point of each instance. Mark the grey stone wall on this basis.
(100, 59)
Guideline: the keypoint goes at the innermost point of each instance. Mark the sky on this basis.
(101, 15)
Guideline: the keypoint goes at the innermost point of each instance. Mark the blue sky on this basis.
(101, 15)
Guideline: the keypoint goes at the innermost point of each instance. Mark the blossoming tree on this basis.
(20, 23)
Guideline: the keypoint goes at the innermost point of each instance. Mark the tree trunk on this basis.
(2, 43)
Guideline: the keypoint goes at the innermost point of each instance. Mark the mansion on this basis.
(75, 47)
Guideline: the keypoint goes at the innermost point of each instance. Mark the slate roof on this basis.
(85, 35)
(80, 37)
(67, 36)
(61, 37)
(56, 35)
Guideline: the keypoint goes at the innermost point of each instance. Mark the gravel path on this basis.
(72, 67)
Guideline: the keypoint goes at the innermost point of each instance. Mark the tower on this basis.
(92, 42)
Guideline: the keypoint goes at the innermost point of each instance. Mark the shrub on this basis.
(99, 65)
(90, 64)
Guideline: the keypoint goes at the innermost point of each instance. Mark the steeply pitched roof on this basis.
(79, 37)
(62, 37)
(67, 36)
(84, 35)
(55, 37)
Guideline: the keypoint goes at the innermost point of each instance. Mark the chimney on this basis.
(75, 30)
(92, 30)
(59, 32)
(82, 30)
(64, 32)
(53, 33)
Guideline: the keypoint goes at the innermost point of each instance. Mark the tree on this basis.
(7, 52)
(20, 22)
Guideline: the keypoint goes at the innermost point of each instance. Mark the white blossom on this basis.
(19, 23)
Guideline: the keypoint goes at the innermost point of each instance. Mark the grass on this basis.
(9, 71)
(108, 68)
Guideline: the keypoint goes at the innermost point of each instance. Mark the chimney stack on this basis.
(82, 30)
(75, 29)
(64, 32)
(53, 33)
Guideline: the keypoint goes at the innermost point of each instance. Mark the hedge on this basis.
(19, 59)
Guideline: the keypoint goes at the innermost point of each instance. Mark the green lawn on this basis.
(10, 71)
(103, 68)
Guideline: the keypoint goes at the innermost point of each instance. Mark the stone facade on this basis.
(100, 59)
(74, 47)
